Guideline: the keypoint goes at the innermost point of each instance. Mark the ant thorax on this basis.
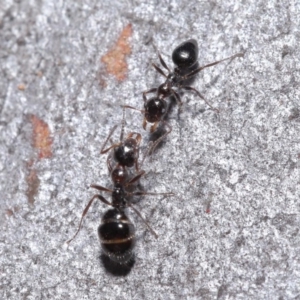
(174, 78)
(119, 174)
(163, 90)
(119, 196)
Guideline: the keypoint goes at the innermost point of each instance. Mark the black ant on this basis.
(185, 57)
(116, 232)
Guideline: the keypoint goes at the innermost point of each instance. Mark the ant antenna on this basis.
(123, 125)
(102, 151)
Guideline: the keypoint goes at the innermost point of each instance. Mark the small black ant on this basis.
(116, 232)
(185, 57)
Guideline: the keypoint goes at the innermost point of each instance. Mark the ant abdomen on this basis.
(117, 236)
(185, 55)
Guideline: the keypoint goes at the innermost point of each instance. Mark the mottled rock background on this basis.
(232, 229)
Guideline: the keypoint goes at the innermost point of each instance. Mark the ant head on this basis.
(186, 54)
(126, 152)
(119, 174)
(155, 109)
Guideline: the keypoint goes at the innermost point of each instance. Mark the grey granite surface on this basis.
(232, 229)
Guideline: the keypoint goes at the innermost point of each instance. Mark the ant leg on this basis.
(99, 197)
(189, 88)
(179, 111)
(163, 63)
(109, 136)
(154, 90)
(100, 188)
(111, 147)
(108, 163)
(146, 152)
(159, 70)
(177, 97)
(139, 214)
(161, 138)
(161, 59)
(134, 108)
(135, 178)
(153, 194)
(141, 111)
(194, 72)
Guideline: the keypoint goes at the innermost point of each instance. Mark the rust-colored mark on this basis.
(102, 81)
(41, 137)
(11, 211)
(208, 208)
(115, 58)
(208, 205)
(21, 87)
(33, 185)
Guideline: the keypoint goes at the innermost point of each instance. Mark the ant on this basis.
(116, 232)
(185, 58)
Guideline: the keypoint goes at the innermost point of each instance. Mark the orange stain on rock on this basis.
(11, 211)
(41, 137)
(21, 87)
(115, 59)
(33, 185)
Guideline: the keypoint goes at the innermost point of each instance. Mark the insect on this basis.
(185, 58)
(116, 232)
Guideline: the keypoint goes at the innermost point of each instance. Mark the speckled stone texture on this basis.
(232, 229)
